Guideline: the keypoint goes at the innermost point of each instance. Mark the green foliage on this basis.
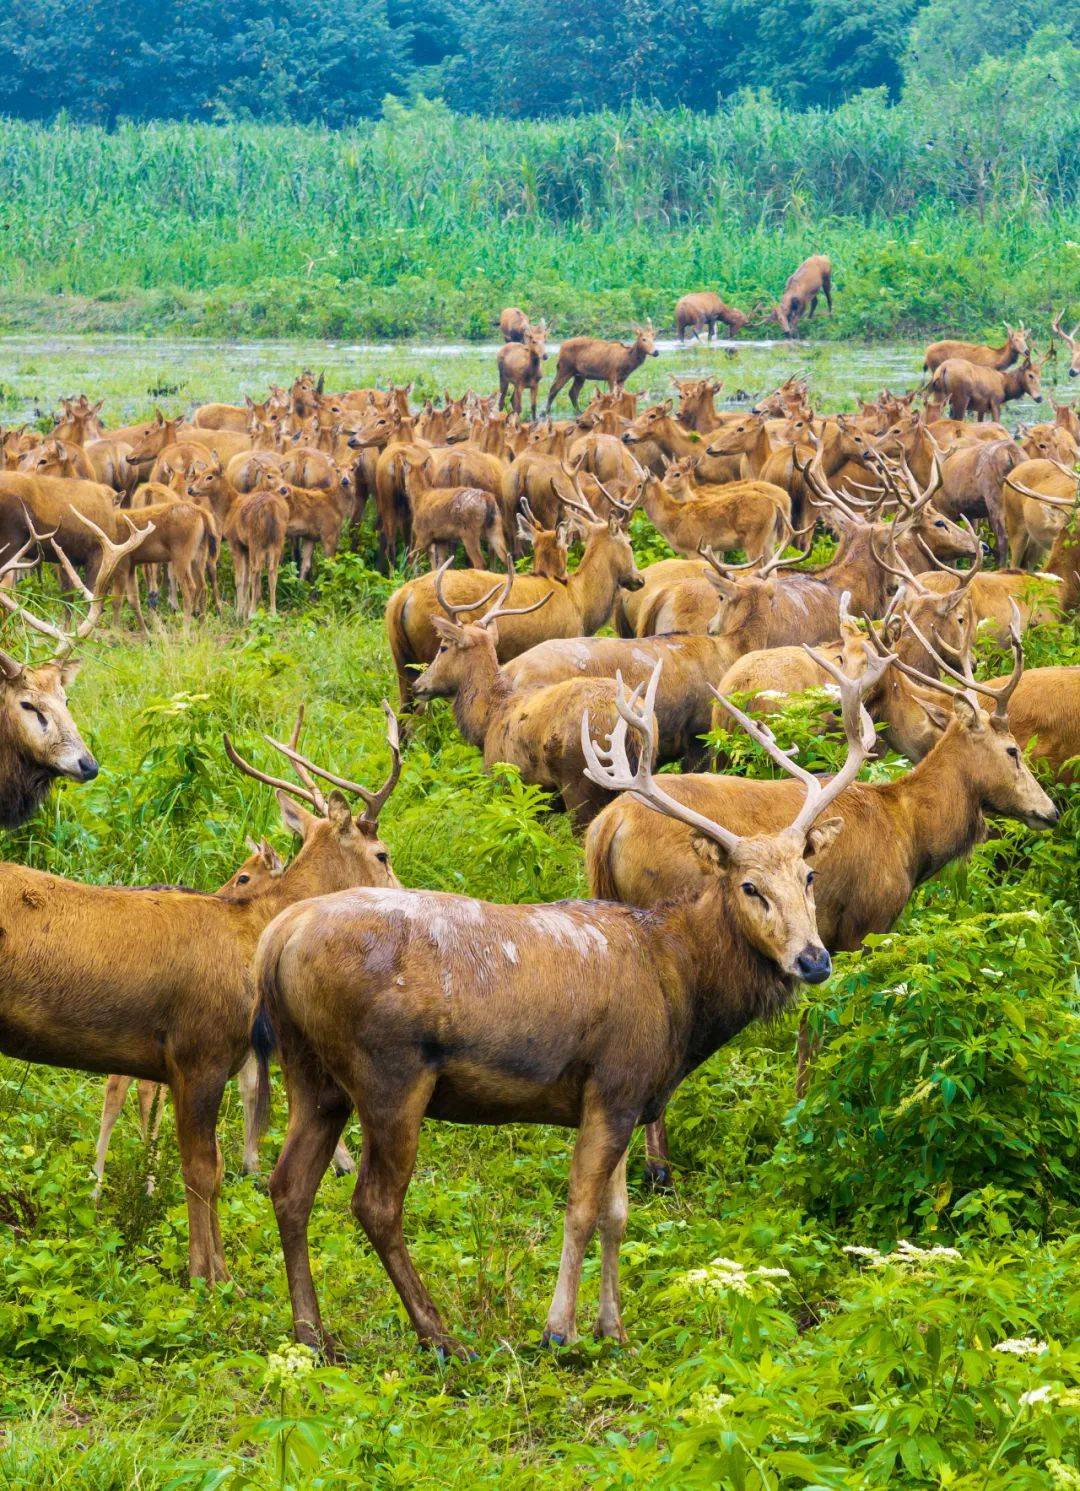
(413, 226)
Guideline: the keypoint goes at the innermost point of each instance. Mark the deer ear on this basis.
(69, 671)
(339, 812)
(821, 835)
(967, 714)
(448, 630)
(712, 856)
(296, 819)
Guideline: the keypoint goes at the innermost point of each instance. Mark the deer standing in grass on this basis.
(412, 1004)
(588, 360)
(892, 835)
(170, 1000)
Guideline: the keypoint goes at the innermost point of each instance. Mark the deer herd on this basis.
(714, 895)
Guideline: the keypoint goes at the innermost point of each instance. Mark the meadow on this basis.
(422, 224)
(874, 1286)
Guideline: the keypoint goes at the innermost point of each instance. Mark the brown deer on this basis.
(588, 359)
(812, 278)
(521, 366)
(984, 390)
(549, 545)
(1072, 341)
(579, 1014)
(513, 324)
(697, 409)
(256, 527)
(972, 477)
(579, 605)
(170, 1001)
(893, 835)
(55, 457)
(39, 740)
(536, 730)
(1039, 498)
(702, 309)
(748, 515)
(443, 517)
(182, 535)
(1015, 346)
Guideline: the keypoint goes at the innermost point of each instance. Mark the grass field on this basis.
(764, 1355)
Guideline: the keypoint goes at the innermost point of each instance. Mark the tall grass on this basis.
(415, 223)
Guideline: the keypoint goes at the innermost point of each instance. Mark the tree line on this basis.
(336, 61)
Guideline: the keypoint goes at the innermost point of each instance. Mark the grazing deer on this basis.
(521, 366)
(983, 391)
(812, 278)
(588, 359)
(1072, 341)
(170, 1001)
(256, 527)
(580, 605)
(892, 837)
(1015, 346)
(513, 324)
(413, 1004)
(702, 309)
(39, 740)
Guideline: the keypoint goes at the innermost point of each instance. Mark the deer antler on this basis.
(1066, 336)
(451, 610)
(112, 554)
(500, 608)
(307, 770)
(964, 674)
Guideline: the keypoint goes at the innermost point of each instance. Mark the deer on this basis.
(549, 545)
(255, 528)
(236, 417)
(984, 390)
(472, 1026)
(972, 477)
(588, 359)
(702, 309)
(521, 366)
(65, 511)
(1015, 346)
(656, 427)
(169, 1002)
(513, 324)
(812, 278)
(1072, 341)
(538, 730)
(1039, 498)
(443, 517)
(697, 410)
(580, 604)
(40, 742)
(182, 535)
(893, 836)
(55, 457)
(80, 421)
(747, 515)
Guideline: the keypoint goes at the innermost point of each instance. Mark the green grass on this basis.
(424, 224)
(942, 1110)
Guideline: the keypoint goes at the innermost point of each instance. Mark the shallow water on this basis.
(134, 373)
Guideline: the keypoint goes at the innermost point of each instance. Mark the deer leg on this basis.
(558, 383)
(197, 1097)
(826, 285)
(533, 389)
(247, 1080)
(812, 309)
(116, 1090)
(386, 1167)
(136, 601)
(598, 1153)
(271, 582)
(473, 552)
(307, 556)
(318, 1111)
(151, 1109)
(657, 1154)
(575, 390)
(614, 1209)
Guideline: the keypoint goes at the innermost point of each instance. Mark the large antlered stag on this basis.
(39, 740)
(170, 999)
(893, 835)
(411, 1004)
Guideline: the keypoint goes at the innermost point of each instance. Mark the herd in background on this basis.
(714, 894)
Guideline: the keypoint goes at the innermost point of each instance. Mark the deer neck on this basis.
(854, 568)
(938, 808)
(591, 588)
(759, 452)
(674, 441)
(716, 982)
(481, 695)
(24, 785)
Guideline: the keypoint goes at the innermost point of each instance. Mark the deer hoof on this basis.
(658, 1177)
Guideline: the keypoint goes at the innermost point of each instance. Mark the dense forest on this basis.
(335, 61)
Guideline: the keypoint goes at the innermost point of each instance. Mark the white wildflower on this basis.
(1063, 1477)
(1036, 1395)
(706, 1405)
(1021, 1346)
(291, 1362)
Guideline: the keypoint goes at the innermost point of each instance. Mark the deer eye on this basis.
(940, 523)
(33, 709)
(383, 857)
(242, 879)
(810, 879)
(1014, 754)
(748, 888)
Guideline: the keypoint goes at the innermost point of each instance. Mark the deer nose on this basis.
(88, 768)
(813, 965)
